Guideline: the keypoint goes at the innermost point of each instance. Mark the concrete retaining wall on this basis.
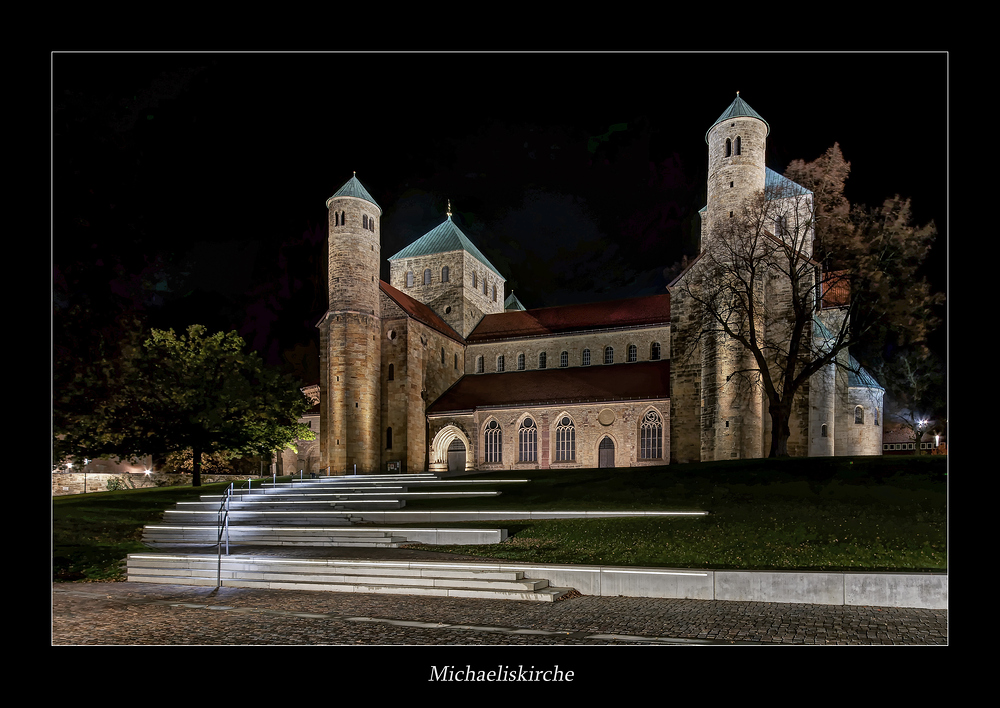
(921, 590)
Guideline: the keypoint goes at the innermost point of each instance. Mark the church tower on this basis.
(733, 405)
(350, 336)
(735, 163)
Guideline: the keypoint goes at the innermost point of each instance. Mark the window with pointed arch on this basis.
(586, 357)
(444, 274)
(392, 372)
(500, 363)
(565, 440)
(739, 145)
(859, 415)
(479, 365)
(609, 355)
(493, 439)
(651, 436)
(564, 360)
(633, 353)
(542, 360)
(427, 277)
(729, 147)
(520, 362)
(654, 351)
(409, 278)
(527, 441)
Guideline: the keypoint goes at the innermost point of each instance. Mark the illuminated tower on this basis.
(733, 406)
(350, 336)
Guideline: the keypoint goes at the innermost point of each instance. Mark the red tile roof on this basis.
(420, 312)
(631, 312)
(615, 382)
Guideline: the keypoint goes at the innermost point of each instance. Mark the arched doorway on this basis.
(456, 456)
(606, 453)
(444, 452)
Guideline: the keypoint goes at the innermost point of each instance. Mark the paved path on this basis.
(148, 614)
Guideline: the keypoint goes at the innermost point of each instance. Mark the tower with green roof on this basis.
(350, 335)
(447, 272)
(736, 168)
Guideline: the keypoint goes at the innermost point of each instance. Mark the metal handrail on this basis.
(223, 522)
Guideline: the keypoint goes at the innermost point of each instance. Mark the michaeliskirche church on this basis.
(437, 370)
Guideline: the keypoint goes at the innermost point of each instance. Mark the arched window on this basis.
(494, 442)
(520, 362)
(494, 293)
(336, 219)
(609, 355)
(739, 145)
(651, 436)
(444, 274)
(565, 440)
(392, 372)
(409, 278)
(500, 363)
(343, 214)
(564, 359)
(822, 431)
(542, 359)
(527, 441)
(633, 353)
(729, 147)
(442, 355)
(586, 357)
(364, 221)
(456, 361)
(474, 281)
(479, 365)
(654, 351)
(875, 415)
(427, 277)
(859, 415)
(485, 287)
(388, 438)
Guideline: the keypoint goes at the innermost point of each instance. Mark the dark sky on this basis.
(192, 187)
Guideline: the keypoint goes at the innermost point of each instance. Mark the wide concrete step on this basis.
(273, 536)
(171, 534)
(340, 576)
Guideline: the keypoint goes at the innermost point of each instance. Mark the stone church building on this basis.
(437, 370)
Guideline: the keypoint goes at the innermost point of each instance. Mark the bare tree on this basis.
(795, 277)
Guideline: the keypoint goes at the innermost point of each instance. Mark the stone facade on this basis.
(429, 372)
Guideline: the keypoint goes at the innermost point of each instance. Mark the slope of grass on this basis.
(828, 514)
(885, 513)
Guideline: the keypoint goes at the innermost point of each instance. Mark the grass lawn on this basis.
(879, 513)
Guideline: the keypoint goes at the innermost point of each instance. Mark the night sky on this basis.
(191, 188)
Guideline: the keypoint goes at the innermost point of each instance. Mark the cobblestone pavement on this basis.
(151, 614)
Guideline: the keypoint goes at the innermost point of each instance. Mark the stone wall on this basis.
(574, 345)
(64, 483)
(591, 422)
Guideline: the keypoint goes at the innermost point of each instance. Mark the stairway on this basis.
(313, 512)
(268, 572)
(325, 512)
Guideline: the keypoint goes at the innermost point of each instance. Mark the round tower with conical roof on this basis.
(736, 143)
(350, 335)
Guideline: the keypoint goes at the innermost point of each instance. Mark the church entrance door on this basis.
(606, 453)
(456, 456)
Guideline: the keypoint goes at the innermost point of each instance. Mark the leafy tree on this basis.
(191, 391)
(798, 277)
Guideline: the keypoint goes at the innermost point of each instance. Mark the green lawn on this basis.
(882, 513)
